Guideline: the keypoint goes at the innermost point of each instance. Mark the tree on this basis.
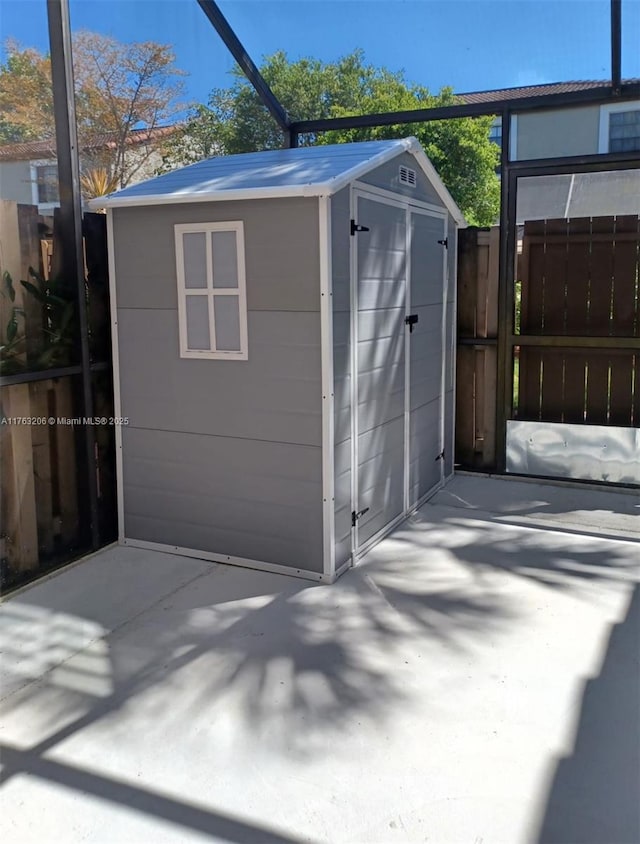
(234, 120)
(119, 88)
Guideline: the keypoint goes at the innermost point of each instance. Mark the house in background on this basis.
(29, 169)
(578, 130)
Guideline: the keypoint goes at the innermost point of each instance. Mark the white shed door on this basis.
(379, 312)
(426, 375)
(399, 277)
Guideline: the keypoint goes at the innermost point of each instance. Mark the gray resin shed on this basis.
(283, 353)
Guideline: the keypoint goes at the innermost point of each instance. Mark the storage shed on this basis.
(283, 328)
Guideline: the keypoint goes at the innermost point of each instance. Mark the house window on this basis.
(47, 183)
(624, 131)
(620, 127)
(495, 133)
(212, 298)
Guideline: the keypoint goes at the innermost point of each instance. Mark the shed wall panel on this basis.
(426, 344)
(259, 501)
(274, 395)
(281, 251)
(424, 436)
(224, 456)
(387, 176)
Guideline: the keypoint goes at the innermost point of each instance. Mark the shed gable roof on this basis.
(303, 171)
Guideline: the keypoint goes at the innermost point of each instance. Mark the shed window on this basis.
(212, 298)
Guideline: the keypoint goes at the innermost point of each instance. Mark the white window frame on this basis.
(43, 207)
(605, 111)
(210, 291)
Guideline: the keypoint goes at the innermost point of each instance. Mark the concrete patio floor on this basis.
(474, 681)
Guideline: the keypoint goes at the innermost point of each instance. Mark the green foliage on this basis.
(58, 332)
(234, 121)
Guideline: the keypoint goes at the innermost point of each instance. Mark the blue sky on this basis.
(468, 44)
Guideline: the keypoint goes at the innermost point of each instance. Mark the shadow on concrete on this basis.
(177, 812)
(594, 796)
(296, 661)
(285, 648)
(576, 510)
(283, 651)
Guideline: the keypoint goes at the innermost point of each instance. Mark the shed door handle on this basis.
(411, 320)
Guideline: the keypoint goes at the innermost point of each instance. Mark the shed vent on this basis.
(408, 176)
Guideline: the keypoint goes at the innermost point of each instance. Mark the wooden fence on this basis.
(576, 329)
(43, 518)
(477, 360)
(579, 283)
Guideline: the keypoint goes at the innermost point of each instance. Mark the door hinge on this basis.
(411, 320)
(355, 516)
(440, 456)
(444, 242)
(356, 228)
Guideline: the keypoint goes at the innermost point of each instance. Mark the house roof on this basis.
(31, 150)
(535, 90)
(303, 171)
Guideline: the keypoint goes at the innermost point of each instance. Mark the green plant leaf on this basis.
(8, 283)
(42, 284)
(37, 294)
(12, 328)
(52, 299)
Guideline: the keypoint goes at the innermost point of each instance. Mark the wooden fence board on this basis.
(574, 386)
(597, 388)
(467, 281)
(530, 383)
(465, 405)
(624, 321)
(555, 278)
(578, 278)
(552, 385)
(621, 387)
(601, 278)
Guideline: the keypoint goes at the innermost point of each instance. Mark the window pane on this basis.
(194, 245)
(47, 177)
(225, 259)
(227, 317)
(198, 337)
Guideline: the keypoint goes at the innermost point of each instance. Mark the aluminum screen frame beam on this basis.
(292, 129)
(593, 96)
(616, 45)
(72, 264)
(237, 50)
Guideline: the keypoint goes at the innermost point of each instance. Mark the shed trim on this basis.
(437, 183)
(242, 562)
(115, 362)
(327, 375)
(210, 292)
(400, 198)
